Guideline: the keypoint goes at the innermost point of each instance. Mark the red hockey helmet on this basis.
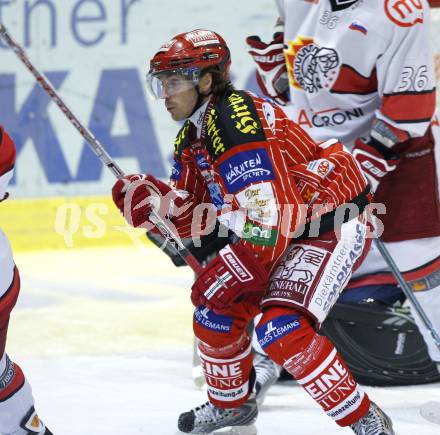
(187, 55)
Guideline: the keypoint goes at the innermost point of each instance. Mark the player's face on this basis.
(180, 96)
(181, 105)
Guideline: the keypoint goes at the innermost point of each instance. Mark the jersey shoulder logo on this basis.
(404, 13)
(232, 121)
(309, 66)
(246, 167)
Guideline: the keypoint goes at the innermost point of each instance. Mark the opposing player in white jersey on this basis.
(362, 71)
(17, 412)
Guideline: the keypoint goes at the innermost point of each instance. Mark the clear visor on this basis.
(167, 83)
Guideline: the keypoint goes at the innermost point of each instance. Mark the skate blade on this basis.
(232, 430)
(236, 430)
(431, 412)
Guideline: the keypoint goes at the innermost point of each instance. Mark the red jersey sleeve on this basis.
(327, 175)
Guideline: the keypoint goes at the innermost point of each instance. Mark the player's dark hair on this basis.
(219, 85)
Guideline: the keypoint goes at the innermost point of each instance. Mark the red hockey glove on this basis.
(271, 67)
(373, 163)
(235, 271)
(134, 195)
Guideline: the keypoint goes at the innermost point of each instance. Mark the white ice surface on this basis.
(104, 336)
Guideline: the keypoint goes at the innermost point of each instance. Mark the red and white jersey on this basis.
(9, 282)
(263, 174)
(351, 61)
(7, 269)
(7, 161)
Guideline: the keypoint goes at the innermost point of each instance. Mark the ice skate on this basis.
(267, 373)
(208, 419)
(375, 422)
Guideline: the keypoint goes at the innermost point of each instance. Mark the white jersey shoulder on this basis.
(344, 57)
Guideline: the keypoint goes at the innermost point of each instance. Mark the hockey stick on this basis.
(98, 149)
(407, 291)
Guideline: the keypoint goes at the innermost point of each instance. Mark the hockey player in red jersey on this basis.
(363, 72)
(17, 412)
(239, 160)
